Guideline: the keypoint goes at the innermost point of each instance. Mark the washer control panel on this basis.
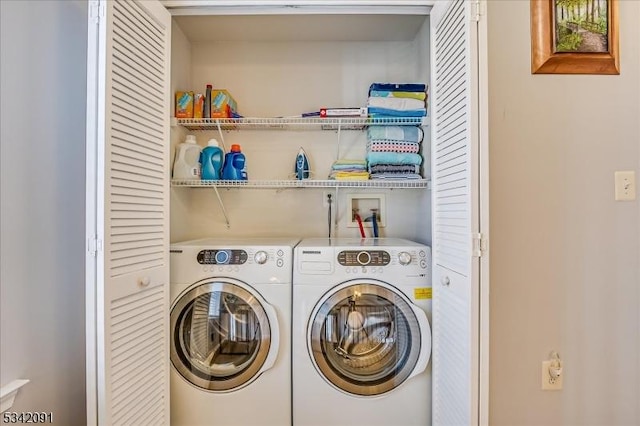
(222, 257)
(364, 258)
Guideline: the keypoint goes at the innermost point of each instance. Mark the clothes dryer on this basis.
(230, 332)
(361, 333)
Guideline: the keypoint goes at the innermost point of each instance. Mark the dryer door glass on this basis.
(220, 336)
(365, 339)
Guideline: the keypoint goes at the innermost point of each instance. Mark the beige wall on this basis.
(564, 255)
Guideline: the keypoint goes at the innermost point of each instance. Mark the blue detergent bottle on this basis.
(211, 160)
(234, 165)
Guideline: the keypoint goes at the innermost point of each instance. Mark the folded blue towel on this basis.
(386, 112)
(397, 133)
(346, 164)
(399, 87)
(393, 158)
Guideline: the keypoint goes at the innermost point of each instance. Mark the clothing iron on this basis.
(302, 165)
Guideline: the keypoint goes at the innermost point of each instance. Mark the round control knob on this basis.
(364, 258)
(261, 257)
(222, 257)
(404, 258)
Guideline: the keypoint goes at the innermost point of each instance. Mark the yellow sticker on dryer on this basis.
(421, 293)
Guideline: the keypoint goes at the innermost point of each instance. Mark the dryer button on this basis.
(364, 270)
(220, 269)
(423, 263)
(422, 253)
(280, 253)
(279, 262)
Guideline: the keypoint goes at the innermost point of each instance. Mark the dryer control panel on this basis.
(222, 257)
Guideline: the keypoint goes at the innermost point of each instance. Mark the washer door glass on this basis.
(220, 336)
(365, 339)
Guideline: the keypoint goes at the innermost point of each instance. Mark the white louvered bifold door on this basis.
(132, 212)
(455, 213)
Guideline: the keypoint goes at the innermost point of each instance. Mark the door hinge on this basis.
(477, 10)
(479, 244)
(94, 245)
(96, 11)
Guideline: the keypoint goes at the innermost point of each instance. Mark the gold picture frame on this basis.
(574, 37)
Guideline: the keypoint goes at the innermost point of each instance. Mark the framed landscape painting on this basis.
(574, 37)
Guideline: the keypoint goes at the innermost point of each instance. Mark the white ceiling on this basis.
(238, 28)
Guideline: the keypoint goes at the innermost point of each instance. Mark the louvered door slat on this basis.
(126, 200)
(133, 391)
(453, 63)
(126, 72)
(128, 48)
(123, 156)
(133, 45)
(128, 238)
(129, 27)
(454, 356)
(149, 42)
(134, 88)
(125, 125)
(129, 114)
(131, 151)
(133, 108)
(150, 28)
(132, 344)
(125, 65)
(138, 233)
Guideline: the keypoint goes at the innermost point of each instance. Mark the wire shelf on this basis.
(296, 123)
(307, 183)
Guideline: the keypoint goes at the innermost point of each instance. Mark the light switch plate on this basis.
(625, 185)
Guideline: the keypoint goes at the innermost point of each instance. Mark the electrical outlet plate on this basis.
(625, 185)
(548, 382)
(364, 203)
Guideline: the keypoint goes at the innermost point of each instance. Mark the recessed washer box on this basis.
(364, 205)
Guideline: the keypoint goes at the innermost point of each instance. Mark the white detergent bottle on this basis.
(186, 165)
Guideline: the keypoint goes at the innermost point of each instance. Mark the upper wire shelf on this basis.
(296, 123)
(306, 183)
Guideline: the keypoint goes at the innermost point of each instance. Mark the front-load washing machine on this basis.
(230, 332)
(361, 333)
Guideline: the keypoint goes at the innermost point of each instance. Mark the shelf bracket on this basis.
(335, 215)
(338, 142)
(224, 211)
(224, 148)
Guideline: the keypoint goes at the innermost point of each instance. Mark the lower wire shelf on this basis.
(306, 183)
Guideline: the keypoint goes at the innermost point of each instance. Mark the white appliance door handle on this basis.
(272, 317)
(425, 342)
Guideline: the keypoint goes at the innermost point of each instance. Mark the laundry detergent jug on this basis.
(211, 159)
(187, 162)
(234, 165)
